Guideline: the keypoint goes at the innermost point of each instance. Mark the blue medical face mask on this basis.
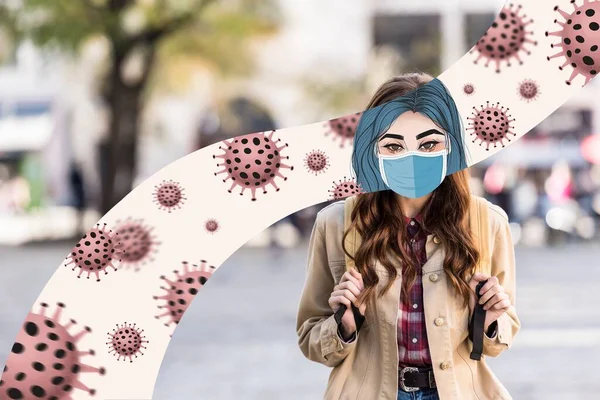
(414, 174)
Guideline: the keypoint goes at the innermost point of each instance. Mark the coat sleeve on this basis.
(318, 335)
(503, 267)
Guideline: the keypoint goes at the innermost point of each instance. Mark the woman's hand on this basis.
(346, 292)
(493, 297)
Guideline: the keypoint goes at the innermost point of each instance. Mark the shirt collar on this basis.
(418, 218)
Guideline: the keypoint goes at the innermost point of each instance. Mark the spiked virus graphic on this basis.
(96, 251)
(343, 128)
(45, 361)
(491, 125)
(316, 162)
(126, 341)
(169, 196)
(468, 89)
(528, 90)
(211, 225)
(505, 39)
(344, 188)
(136, 243)
(580, 38)
(181, 290)
(252, 162)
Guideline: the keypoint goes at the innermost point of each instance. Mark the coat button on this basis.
(445, 365)
(433, 277)
(439, 321)
(436, 240)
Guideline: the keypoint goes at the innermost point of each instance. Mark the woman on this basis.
(414, 278)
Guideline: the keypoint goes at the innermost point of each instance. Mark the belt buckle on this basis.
(401, 379)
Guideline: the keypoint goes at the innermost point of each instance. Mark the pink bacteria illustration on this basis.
(344, 188)
(505, 39)
(316, 162)
(126, 341)
(468, 89)
(181, 290)
(343, 128)
(97, 251)
(252, 162)
(579, 39)
(491, 125)
(211, 225)
(528, 90)
(46, 361)
(169, 196)
(136, 242)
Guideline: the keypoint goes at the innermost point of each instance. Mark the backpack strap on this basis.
(352, 242)
(353, 239)
(480, 227)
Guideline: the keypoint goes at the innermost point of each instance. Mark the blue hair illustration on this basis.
(432, 100)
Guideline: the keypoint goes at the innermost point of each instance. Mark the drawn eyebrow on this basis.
(392, 135)
(429, 132)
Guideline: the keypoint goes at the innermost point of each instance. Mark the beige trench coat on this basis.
(366, 368)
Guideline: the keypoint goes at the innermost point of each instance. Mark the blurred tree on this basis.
(149, 42)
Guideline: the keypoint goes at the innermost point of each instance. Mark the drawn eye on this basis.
(394, 147)
(429, 145)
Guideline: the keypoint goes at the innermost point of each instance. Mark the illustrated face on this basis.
(412, 132)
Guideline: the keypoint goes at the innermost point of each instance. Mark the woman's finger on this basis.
(350, 286)
(351, 278)
(358, 277)
(492, 280)
(476, 278)
(337, 299)
(500, 297)
(488, 294)
(501, 305)
(346, 293)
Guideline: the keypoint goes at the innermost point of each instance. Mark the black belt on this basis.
(411, 379)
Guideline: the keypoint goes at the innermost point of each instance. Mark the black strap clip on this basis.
(358, 317)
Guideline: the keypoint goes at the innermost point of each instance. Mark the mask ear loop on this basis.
(448, 151)
(380, 162)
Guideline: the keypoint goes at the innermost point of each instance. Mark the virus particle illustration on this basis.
(211, 225)
(252, 161)
(505, 39)
(181, 290)
(126, 341)
(343, 128)
(45, 361)
(169, 196)
(528, 90)
(468, 89)
(136, 243)
(580, 38)
(491, 125)
(97, 251)
(344, 188)
(316, 162)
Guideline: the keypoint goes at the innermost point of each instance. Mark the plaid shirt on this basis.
(413, 347)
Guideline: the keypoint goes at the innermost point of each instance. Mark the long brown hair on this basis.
(378, 219)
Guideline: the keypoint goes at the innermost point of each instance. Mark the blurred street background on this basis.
(98, 95)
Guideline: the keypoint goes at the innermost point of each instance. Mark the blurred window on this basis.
(416, 37)
(476, 24)
(28, 109)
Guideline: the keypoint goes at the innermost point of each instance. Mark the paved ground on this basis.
(239, 342)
